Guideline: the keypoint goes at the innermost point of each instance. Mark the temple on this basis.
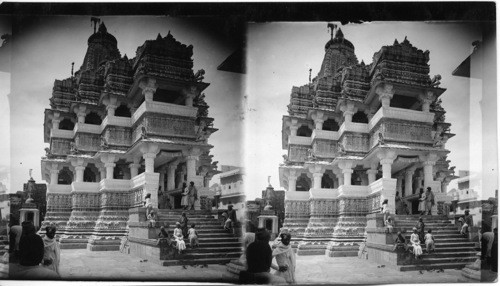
(120, 128)
(355, 135)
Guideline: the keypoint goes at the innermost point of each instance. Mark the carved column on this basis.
(399, 184)
(318, 120)
(81, 113)
(426, 100)
(171, 175)
(111, 103)
(428, 162)
(292, 181)
(109, 163)
(386, 160)
(102, 172)
(149, 152)
(294, 126)
(372, 173)
(346, 167)
(190, 94)
(56, 120)
(79, 164)
(134, 167)
(348, 110)
(54, 176)
(385, 94)
(409, 181)
(317, 172)
(148, 87)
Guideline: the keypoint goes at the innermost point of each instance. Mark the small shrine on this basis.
(357, 134)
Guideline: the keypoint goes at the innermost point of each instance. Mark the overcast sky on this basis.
(280, 55)
(44, 48)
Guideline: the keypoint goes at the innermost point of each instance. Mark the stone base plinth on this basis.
(145, 249)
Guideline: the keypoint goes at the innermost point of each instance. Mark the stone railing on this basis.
(297, 196)
(401, 113)
(84, 187)
(324, 134)
(323, 193)
(61, 133)
(383, 189)
(147, 183)
(116, 121)
(164, 108)
(59, 189)
(353, 191)
(87, 128)
(354, 127)
(299, 140)
(115, 185)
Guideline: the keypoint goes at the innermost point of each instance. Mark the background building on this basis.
(228, 187)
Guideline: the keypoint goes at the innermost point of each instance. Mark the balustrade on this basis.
(164, 108)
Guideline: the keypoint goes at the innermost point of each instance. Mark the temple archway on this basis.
(121, 170)
(93, 118)
(330, 125)
(304, 131)
(66, 124)
(360, 117)
(65, 177)
(90, 173)
(327, 181)
(303, 184)
(123, 111)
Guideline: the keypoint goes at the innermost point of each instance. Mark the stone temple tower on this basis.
(356, 135)
(119, 129)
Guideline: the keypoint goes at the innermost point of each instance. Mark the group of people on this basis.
(180, 233)
(489, 247)
(259, 254)
(417, 237)
(189, 196)
(38, 257)
(426, 201)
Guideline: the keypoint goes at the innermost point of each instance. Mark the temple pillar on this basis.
(191, 158)
(79, 164)
(318, 120)
(102, 172)
(109, 163)
(409, 181)
(294, 126)
(171, 175)
(428, 163)
(426, 99)
(386, 160)
(54, 174)
(292, 181)
(346, 167)
(385, 94)
(56, 119)
(348, 110)
(111, 103)
(148, 87)
(190, 94)
(399, 184)
(372, 173)
(81, 113)
(149, 152)
(134, 169)
(317, 172)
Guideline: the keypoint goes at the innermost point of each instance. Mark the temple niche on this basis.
(120, 128)
(355, 135)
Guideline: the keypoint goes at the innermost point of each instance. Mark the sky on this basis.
(279, 56)
(44, 48)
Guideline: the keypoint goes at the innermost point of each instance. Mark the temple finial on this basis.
(310, 70)
(72, 68)
(332, 28)
(158, 37)
(95, 21)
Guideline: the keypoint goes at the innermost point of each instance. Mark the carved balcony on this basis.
(402, 114)
(60, 133)
(87, 128)
(164, 108)
(354, 127)
(296, 196)
(354, 191)
(325, 134)
(84, 187)
(299, 140)
(58, 189)
(323, 193)
(114, 184)
(116, 121)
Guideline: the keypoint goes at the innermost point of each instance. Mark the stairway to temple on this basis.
(453, 251)
(4, 244)
(216, 246)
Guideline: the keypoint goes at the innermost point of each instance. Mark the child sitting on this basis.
(193, 236)
(179, 238)
(429, 241)
(152, 218)
(400, 242)
(465, 227)
(389, 223)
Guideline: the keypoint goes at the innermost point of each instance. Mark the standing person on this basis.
(168, 205)
(285, 257)
(14, 239)
(52, 251)
(415, 242)
(193, 236)
(184, 224)
(231, 219)
(389, 223)
(31, 255)
(193, 195)
(429, 201)
(259, 259)
(486, 244)
(399, 205)
(148, 205)
(429, 242)
(179, 238)
(421, 202)
(421, 229)
(385, 209)
(468, 218)
(184, 200)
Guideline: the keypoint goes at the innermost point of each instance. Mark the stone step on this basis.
(203, 261)
(456, 249)
(230, 255)
(444, 236)
(219, 249)
(436, 260)
(454, 244)
(197, 223)
(217, 239)
(220, 244)
(450, 265)
(447, 254)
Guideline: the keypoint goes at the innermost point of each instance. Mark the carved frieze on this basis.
(325, 148)
(296, 209)
(297, 153)
(116, 135)
(355, 142)
(88, 142)
(60, 146)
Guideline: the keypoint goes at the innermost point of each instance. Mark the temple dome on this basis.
(102, 35)
(340, 40)
(102, 47)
